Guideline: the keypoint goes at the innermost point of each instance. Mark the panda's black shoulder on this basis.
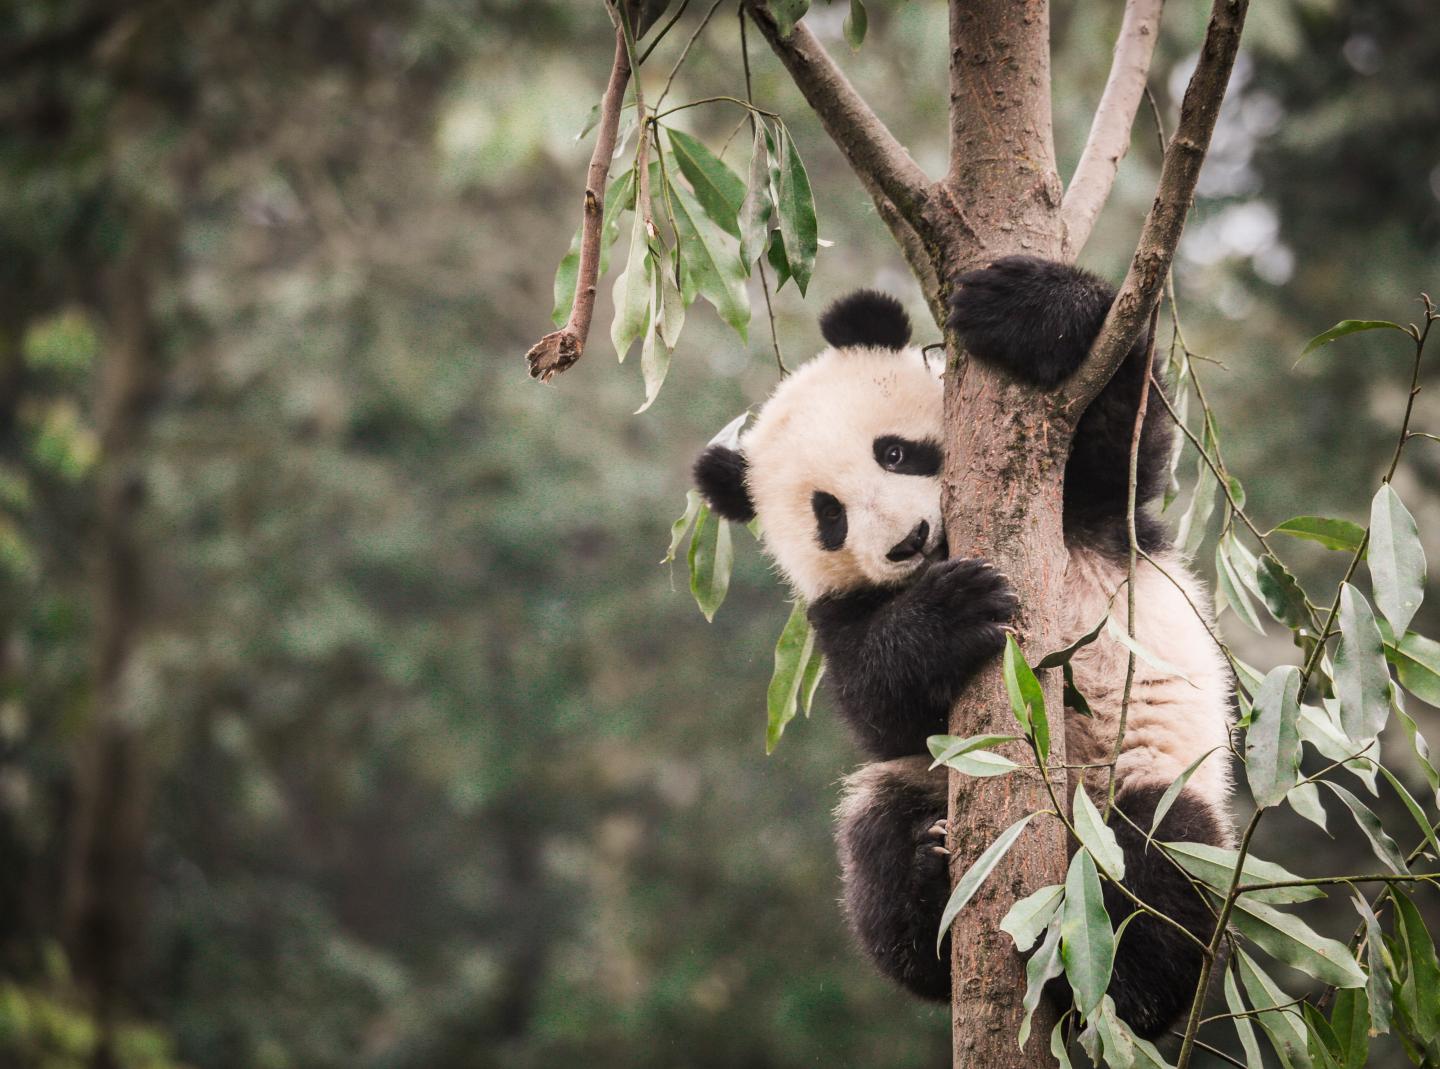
(866, 318)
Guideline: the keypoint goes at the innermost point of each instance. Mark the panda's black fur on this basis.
(903, 630)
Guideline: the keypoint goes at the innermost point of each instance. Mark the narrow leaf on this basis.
(1413, 808)
(793, 652)
(945, 747)
(1281, 591)
(1027, 700)
(632, 290)
(1087, 942)
(1362, 680)
(1272, 742)
(1418, 746)
(679, 528)
(654, 350)
(1284, 1027)
(1397, 560)
(717, 188)
(711, 557)
(755, 208)
(981, 763)
(1420, 993)
(1196, 516)
(1350, 1021)
(1291, 940)
(1230, 586)
(1324, 1047)
(711, 263)
(1304, 798)
(1115, 1039)
(1044, 965)
(1117, 630)
(1172, 792)
(1377, 983)
(1096, 836)
(1214, 866)
(1381, 845)
(976, 874)
(1340, 535)
(1031, 915)
(1057, 1046)
(1349, 326)
(1243, 1028)
(856, 23)
(795, 205)
(1062, 656)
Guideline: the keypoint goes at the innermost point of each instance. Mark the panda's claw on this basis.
(939, 830)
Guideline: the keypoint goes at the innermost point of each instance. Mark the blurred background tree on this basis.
(346, 717)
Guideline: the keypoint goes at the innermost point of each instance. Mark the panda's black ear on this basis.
(720, 478)
(868, 318)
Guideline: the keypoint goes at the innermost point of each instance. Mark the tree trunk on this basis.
(1002, 483)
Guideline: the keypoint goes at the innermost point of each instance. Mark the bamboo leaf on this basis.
(1231, 587)
(1282, 594)
(1117, 631)
(1057, 1046)
(775, 253)
(1027, 700)
(712, 266)
(1320, 1037)
(1289, 939)
(981, 763)
(1214, 866)
(1272, 741)
(1377, 983)
(717, 188)
(1304, 798)
(1096, 836)
(1418, 746)
(1420, 992)
(1350, 1021)
(976, 874)
(1062, 656)
(632, 290)
(1339, 535)
(1031, 915)
(1283, 1027)
(793, 653)
(1348, 326)
(680, 527)
(856, 23)
(1172, 792)
(711, 557)
(945, 747)
(1044, 965)
(1413, 808)
(1196, 516)
(1243, 1028)
(1087, 942)
(795, 206)
(1397, 559)
(1381, 845)
(1362, 680)
(667, 313)
(755, 208)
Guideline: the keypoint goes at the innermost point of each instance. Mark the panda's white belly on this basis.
(1171, 720)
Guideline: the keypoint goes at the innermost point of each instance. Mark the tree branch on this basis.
(1184, 156)
(1109, 138)
(558, 350)
(869, 146)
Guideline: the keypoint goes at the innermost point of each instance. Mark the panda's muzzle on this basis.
(913, 544)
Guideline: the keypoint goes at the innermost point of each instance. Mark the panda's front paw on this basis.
(969, 591)
(1036, 318)
(932, 858)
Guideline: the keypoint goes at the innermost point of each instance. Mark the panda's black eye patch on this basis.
(906, 457)
(830, 523)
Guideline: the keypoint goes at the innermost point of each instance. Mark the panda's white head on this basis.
(842, 463)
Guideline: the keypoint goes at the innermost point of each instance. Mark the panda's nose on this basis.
(914, 542)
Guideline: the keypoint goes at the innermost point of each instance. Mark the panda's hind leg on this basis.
(890, 833)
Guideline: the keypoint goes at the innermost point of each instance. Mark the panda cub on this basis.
(841, 466)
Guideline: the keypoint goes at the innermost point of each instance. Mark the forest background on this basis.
(403, 747)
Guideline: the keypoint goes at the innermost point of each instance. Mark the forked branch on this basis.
(1109, 138)
(560, 349)
(1184, 156)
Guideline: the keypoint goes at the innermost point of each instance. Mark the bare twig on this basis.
(557, 351)
(685, 52)
(1155, 251)
(1109, 138)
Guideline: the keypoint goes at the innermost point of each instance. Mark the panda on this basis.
(841, 466)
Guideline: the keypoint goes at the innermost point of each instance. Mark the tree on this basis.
(1000, 195)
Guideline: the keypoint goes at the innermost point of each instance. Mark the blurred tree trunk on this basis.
(103, 893)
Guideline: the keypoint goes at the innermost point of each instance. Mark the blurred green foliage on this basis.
(444, 769)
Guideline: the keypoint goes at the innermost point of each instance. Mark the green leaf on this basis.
(1096, 836)
(1362, 680)
(711, 557)
(776, 255)
(1214, 866)
(1350, 1021)
(713, 267)
(1027, 700)
(1196, 516)
(1031, 915)
(1418, 746)
(1057, 1046)
(1377, 983)
(667, 316)
(1322, 731)
(679, 528)
(1332, 534)
(1172, 792)
(1304, 798)
(1117, 631)
(1281, 591)
(1231, 587)
(975, 875)
(1243, 1028)
(1272, 742)
(1397, 560)
(1420, 992)
(787, 13)
(755, 208)
(1417, 663)
(717, 188)
(1284, 1027)
(856, 23)
(1044, 965)
(1087, 942)
(794, 651)
(1074, 700)
(1115, 1039)
(1381, 845)
(1349, 326)
(1413, 808)
(795, 206)
(981, 763)
(1324, 1047)
(1289, 939)
(618, 197)
(1062, 656)
(946, 747)
(632, 290)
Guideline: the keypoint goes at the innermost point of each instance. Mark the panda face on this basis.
(842, 468)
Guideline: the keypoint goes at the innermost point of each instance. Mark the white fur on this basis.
(816, 433)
